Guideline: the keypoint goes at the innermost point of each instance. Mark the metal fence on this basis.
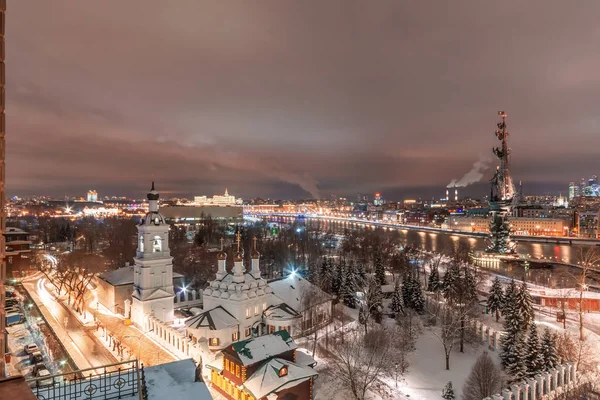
(113, 381)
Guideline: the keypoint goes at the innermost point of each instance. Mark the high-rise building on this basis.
(574, 190)
(377, 200)
(3, 348)
(593, 180)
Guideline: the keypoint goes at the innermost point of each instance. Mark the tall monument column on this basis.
(2, 194)
(501, 195)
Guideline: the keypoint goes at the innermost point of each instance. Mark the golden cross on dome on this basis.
(254, 240)
(222, 241)
(239, 238)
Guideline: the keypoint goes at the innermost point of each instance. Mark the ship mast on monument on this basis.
(502, 195)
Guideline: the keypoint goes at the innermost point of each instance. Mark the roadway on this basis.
(85, 351)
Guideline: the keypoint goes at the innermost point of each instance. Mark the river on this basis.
(545, 272)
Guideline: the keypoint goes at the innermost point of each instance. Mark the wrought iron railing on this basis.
(113, 381)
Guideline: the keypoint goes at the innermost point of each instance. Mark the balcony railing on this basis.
(114, 381)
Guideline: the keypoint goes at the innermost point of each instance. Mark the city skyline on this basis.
(288, 100)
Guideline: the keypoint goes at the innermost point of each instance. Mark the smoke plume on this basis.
(474, 175)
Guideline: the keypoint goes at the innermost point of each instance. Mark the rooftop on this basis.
(124, 276)
(215, 319)
(258, 349)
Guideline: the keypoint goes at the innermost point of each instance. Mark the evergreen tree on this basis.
(515, 359)
(379, 270)
(406, 290)
(325, 274)
(548, 351)
(433, 282)
(417, 300)
(495, 299)
(337, 278)
(509, 299)
(448, 392)
(449, 281)
(524, 306)
(397, 305)
(349, 285)
(533, 354)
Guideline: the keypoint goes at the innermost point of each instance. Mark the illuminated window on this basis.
(256, 309)
(283, 371)
(214, 341)
(141, 245)
(226, 365)
(271, 328)
(237, 370)
(248, 331)
(157, 244)
(264, 306)
(234, 337)
(248, 312)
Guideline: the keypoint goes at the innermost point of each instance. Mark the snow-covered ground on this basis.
(427, 373)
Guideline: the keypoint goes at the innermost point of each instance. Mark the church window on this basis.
(141, 245)
(214, 341)
(248, 312)
(256, 309)
(227, 364)
(237, 370)
(283, 371)
(248, 331)
(156, 244)
(264, 306)
(234, 337)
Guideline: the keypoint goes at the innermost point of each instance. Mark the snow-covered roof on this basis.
(296, 291)
(215, 319)
(175, 380)
(226, 288)
(304, 359)
(124, 276)
(266, 379)
(255, 350)
(281, 311)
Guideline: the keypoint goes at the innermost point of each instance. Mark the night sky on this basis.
(293, 99)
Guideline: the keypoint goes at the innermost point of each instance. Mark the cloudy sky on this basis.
(288, 98)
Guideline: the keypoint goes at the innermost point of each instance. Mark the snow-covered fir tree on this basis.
(397, 305)
(524, 306)
(448, 392)
(548, 351)
(417, 300)
(534, 362)
(514, 359)
(509, 299)
(449, 281)
(338, 277)
(379, 269)
(495, 299)
(433, 281)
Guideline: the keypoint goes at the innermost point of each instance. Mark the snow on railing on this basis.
(545, 385)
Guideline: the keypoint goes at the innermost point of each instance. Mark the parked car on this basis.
(31, 348)
(36, 357)
(12, 309)
(44, 382)
(10, 293)
(14, 318)
(37, 367)
(11, 302)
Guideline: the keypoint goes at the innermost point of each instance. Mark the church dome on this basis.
(255, 254)
(221, 255)
(238, 257)
(153, 194)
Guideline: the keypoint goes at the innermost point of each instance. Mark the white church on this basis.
(237, 305)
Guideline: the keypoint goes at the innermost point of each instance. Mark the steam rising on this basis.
(474, 175)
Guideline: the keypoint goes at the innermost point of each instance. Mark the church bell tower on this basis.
(153, 270)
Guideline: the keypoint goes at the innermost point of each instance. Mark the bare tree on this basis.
(589, 260)
(450, 330)
(484, 380)
(361, 359)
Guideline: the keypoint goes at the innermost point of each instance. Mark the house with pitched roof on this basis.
(267, 367)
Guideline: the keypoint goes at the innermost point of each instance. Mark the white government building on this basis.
(237, 305)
